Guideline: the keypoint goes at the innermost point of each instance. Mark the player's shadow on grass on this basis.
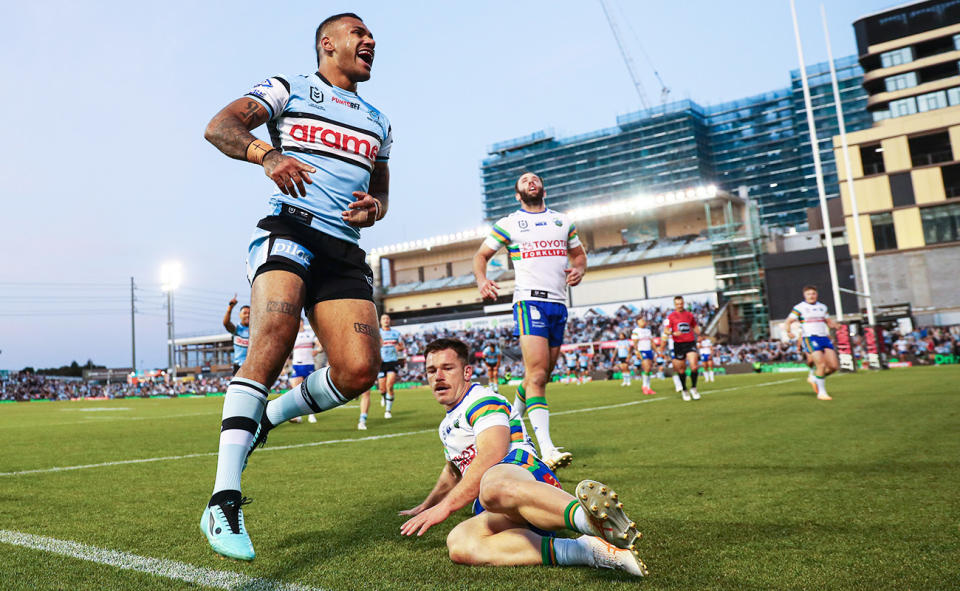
(374, 525)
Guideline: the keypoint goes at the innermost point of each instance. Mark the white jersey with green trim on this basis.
(479, 409)
(538, 244)
(812, 317)
(643, 337)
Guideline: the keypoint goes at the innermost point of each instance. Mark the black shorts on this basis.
(680, 350)
(388, 366)
(491, 363)
(331, 269)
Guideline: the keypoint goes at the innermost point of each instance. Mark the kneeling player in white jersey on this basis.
(541, 242)
(815, 325)
(642, 338)
(516, 498)
(706, 358)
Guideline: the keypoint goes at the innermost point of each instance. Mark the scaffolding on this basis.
(737, 250)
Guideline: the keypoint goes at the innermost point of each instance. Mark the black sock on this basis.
(683, 379)
(693, 377)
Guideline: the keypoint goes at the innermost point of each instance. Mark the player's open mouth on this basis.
(366, 55)
(441, 388)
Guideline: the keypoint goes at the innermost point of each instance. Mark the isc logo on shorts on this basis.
(292, 251)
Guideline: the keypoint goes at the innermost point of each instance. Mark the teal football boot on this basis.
(222, 523)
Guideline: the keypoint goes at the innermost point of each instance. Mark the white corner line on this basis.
(161, 567)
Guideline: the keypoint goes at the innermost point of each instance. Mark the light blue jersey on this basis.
(491, 353)
(388, 350)
(241, 341)
(333, 130)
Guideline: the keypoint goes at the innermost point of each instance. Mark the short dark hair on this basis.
(457, 346)
(244, 306)
(675, 298)
(328, 21)
(808, 287)
(516, 185)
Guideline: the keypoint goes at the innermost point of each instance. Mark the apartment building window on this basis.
(901, 81)
(884, 236)
(881, 115)
(896, 57)
(953, 96)
(930, 148)
(941, 223)
(956, 41)
(951, 180)
(931, 101)
(903, 107)
(901, 189)
(872, 159)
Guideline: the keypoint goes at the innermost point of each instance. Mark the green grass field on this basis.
(756, 486)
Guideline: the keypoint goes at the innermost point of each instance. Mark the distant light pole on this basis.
(170, 275)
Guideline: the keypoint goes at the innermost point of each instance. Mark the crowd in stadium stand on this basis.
(29, 386)
(922, 345)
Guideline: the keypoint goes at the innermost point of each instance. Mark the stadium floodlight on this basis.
(171, 274)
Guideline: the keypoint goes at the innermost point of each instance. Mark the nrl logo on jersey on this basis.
(557, 222)
(316, 95)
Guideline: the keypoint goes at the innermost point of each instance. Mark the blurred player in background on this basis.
(517, 500)
(304, 351)
(329, 161)
(681, 327)
(541, 243)
(240, 332)
(390, 354)
(706, 357)
(583, 367)
(815, 325)
(390, 349)
(491, 359)
(623, 358)
(570, 359)
(642, 338)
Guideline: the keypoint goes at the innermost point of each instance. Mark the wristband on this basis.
(380, 212)
(257, 150)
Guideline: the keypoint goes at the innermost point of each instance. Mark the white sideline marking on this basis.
(108, 409)
(168, 569)
(370, 438)
(213, 453)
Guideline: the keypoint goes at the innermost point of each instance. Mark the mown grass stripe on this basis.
(370, 438)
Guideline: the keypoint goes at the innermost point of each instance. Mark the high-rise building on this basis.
(760, 142)
(906, 167)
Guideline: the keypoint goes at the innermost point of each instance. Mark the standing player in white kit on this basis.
(304, 349)
(541, 243)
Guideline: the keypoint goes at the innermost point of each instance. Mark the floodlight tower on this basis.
(170, 276)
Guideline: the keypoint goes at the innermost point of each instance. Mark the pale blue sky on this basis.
(104, 173)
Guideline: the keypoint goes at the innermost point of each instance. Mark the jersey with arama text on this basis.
(538, 244)
(333, 130)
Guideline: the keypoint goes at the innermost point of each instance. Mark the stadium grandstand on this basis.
(702, 243)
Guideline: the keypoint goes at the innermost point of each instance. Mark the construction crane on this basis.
(631, 66)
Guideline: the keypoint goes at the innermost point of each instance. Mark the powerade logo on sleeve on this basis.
(293, 251)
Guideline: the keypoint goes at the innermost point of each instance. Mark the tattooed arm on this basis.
(229, 131)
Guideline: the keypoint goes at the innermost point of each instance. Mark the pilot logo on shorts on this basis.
(316, 95)
(292, 250)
